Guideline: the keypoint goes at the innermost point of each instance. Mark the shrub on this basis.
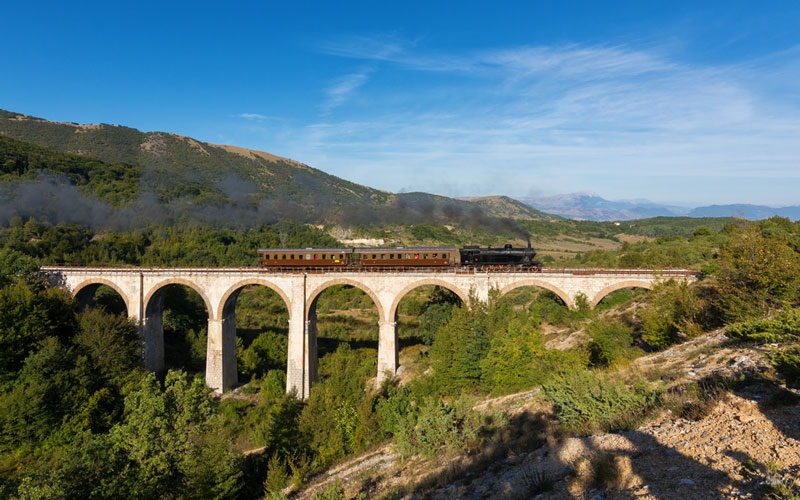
(396, 406)
(757, 272)
(334, 491)
(515, 358)
(265, 352)
(437, 426)
(785, 327)
(587, 402)
(693, 401)
(277, 476)
(273, 385)
(611, 340)
(787, 364)
(675, 311)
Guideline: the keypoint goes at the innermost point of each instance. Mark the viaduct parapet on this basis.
(142, 289)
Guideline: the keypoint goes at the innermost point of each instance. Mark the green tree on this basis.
(514, 359)
(163, 449)
(611, 340)
(16, 267)
(28, 317)
(757, 273)
(52, 386)
(112, 343)
(166, 437)
(457, 352)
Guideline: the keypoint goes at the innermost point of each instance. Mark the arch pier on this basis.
(142, 291)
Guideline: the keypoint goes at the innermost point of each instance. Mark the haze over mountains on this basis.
(590, 206)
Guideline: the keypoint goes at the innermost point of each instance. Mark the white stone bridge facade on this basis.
(142, 290)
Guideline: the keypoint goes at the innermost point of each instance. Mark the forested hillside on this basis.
(190, 177)
(116, 183)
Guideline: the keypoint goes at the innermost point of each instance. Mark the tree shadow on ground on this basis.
(526, 459)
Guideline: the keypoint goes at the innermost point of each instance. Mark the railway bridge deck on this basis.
(142, 290)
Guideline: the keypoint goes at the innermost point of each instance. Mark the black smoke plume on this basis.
(307, 200)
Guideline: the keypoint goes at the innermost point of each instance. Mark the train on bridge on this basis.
(469, 256)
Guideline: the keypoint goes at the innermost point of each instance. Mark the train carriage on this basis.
(405, 257)
(304, 257)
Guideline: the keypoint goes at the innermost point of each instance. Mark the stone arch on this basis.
(229, 297)
(619, 286)
(176, 281)
(344, 281)
(432, 281)
(111, 284)
(541, 284)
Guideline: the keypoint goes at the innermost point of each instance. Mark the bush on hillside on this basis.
(784, 327)
(757, 272)
(676, 311)
(587, 402)
(611, 340)
(438, 427)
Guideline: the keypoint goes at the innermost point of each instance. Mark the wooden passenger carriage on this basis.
(359, 257)
(304, 257)
(405, 257)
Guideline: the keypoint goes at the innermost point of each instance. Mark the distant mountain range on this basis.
(590, 206)
(752, 212)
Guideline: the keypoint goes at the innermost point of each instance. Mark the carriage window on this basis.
(374, 256)
(300, 257)
(341, 256)
(408, 256)
(391, 256)
(323, 257)
(425, 256)
(416, 256)
(316, 256)
(308, 256)
(383, 256)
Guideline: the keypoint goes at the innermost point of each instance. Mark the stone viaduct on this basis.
(142, 290)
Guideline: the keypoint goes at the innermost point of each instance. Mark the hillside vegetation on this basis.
(80, 417)
(176, 168)
(116, 183)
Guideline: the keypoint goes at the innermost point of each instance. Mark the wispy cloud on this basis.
(343, 89)
(626, 121)
(379, 48)
(251, 116)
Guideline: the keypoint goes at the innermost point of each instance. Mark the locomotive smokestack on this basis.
(529, 242)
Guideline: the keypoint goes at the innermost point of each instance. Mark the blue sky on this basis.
(684, 102)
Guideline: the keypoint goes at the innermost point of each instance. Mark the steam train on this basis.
(469, 256)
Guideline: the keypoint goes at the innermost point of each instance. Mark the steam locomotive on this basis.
(469, 256)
